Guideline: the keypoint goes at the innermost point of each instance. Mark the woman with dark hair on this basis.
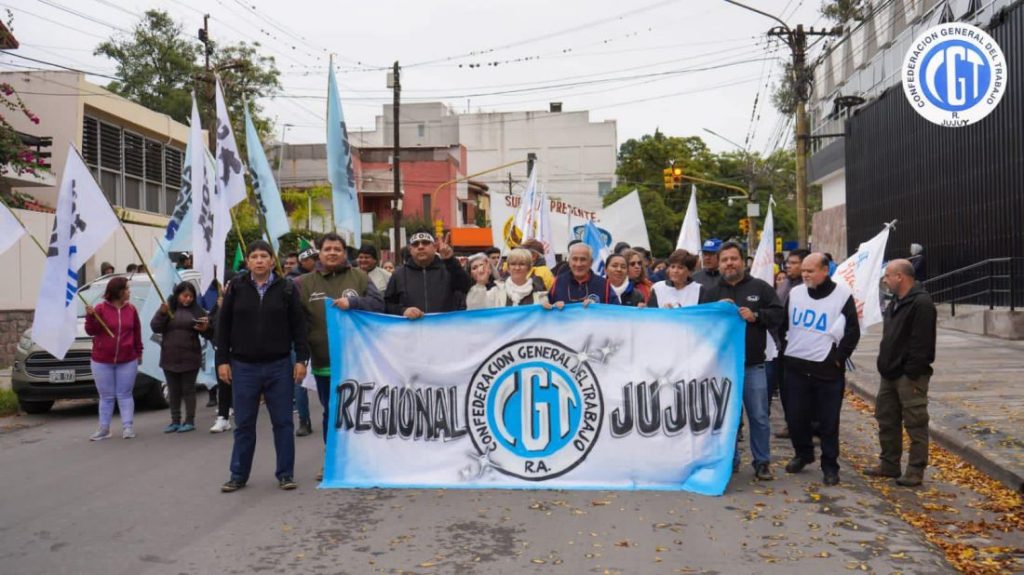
(618, 278)
(679, 290)
(115, 359)
(181, 352)
(637, 271)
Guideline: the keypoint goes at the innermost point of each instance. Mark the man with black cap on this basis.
(308, 259)
(367, 261)
(708, 275)
(428, 281)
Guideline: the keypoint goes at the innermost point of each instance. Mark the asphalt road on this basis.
(153, 505)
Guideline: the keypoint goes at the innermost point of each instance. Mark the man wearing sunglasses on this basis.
(428, 282)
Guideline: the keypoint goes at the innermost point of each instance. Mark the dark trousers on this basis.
(182, 385)
(812, 399)
(272, 380)
(903, 403)
(323, 391)
(774, 371)
(223, 399)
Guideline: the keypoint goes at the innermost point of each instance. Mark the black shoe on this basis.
(287, 483)
(212, 402)
(831, 478)
(763, 472)
(232, 486)
(879, 471)
(909, 480)
(796, 465)
(304, 429)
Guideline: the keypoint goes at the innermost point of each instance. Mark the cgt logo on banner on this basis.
(521, 397)
(954, 74)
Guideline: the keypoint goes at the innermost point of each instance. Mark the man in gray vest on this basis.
(820, 333)
(905, 359)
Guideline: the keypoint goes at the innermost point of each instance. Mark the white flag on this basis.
(862, 273)
(83, 223)
(689, 234)
(544, 230)
(230, 171)
(526, 215)
(763, 268)
(207, 252)
(10, 230)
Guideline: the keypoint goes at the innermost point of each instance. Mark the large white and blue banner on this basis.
(603, 397)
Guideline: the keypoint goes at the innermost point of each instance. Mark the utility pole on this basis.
(510, 183)
(211, 120)
(796, 39)
(396, 202)
(531, 158)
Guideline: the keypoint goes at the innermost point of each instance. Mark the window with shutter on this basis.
(90, 141)
(110, 146)
(133, 154)
(172, 163)
(154, 162)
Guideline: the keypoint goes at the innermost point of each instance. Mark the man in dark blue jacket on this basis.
(430, 281)
(581, 285)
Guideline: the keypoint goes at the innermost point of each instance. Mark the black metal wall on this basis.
(959, 192)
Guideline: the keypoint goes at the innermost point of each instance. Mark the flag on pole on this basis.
(763, 267)
(207, 252)
(10, 229)
(599, 249)
(527, 214)
(166, 277)
(862, 273)
(230, 171)
(340, 173)
(84, 221)
(264, 188)
(544, 230)
(304, 244)
(236, 264)
(689, 234)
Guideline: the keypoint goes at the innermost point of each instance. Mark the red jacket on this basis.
(126, 345)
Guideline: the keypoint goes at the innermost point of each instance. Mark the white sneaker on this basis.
(128, 433)
(100, 435)
(221, 425)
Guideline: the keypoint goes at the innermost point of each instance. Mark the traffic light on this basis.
(669, 178)
(745, 225)
(677, 177)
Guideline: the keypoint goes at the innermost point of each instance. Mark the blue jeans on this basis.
(755, 403)
(115, 382)
(272, 380)
(323, 390)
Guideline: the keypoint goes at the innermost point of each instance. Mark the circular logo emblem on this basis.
(954, 74)
(534, 409)
(350, 293)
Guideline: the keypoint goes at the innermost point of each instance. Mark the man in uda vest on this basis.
(820, 333)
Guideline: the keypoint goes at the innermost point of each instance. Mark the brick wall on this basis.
(12, 324)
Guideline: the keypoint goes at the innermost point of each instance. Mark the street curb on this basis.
(956, 442)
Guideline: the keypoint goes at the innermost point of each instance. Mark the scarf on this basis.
(515, 292)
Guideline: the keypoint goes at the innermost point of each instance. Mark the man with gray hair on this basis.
(904, 361)
(581, 285)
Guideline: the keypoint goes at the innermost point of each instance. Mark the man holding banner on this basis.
(428, 281)
(581, 284)
(820, 333)
(761, 310)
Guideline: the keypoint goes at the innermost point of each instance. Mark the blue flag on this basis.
(592, 237)
(339, 169)
(264, 188)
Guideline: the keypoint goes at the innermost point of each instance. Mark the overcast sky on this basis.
(678, 65)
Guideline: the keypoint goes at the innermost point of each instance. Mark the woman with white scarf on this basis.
(519, 288)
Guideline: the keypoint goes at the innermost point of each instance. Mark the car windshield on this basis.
(93, 293)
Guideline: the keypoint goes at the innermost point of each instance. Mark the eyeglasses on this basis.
(637, 264)
(420, 243)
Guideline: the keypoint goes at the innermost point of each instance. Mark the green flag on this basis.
(239, 258)
(304, 244)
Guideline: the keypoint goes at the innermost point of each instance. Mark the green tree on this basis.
(159, 65)
(842, 11)
(297, 204)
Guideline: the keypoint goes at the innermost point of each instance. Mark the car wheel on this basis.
(156, 397)
(35, 406)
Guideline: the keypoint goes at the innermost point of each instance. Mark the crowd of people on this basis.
(269, 328)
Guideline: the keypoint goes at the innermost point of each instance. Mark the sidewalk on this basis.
(975, 398)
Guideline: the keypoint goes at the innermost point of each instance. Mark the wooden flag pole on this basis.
(42, 249)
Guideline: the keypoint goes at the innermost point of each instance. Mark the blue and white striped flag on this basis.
(340, 173)
(264, 188)
(592, 237)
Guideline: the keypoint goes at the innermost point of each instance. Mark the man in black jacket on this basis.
(904, 362)
(820, 333)
(760, 308)
(430, 281)
(259, 325)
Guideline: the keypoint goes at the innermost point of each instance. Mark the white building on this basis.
(576, 157)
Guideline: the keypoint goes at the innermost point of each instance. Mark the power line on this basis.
(71, 11)
(52, 21)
